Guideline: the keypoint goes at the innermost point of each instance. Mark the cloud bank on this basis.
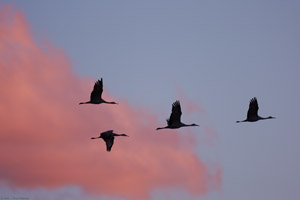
(45, 134)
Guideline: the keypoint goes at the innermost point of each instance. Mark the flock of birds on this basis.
(173, 122)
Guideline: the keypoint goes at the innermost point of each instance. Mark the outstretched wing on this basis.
(97, 91)
(106, 133)
(253, 108)
(109, 131)
(176, 113)
(109, 143)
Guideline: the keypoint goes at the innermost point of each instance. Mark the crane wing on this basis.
(97, 91)
(107, 133)
(176, 113)
(253, 108)
(109, 143)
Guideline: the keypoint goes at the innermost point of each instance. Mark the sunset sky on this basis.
(213, 56)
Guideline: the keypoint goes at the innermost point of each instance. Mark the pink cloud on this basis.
(45, 134)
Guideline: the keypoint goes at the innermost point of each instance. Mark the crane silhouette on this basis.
(252, 115)
(108, 137)
(174, 120)
(96, 94)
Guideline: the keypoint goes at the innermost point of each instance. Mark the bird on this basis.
(252, 115)
(96, 94)
(174, 121)
(108, 137)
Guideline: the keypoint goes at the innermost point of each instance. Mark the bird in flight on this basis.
(252, 115)
(96, 95)
(174, 120)
(108, 137)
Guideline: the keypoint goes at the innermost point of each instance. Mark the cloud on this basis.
(45, 134)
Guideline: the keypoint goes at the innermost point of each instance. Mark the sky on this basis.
(213, 56)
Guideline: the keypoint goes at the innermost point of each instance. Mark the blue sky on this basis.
(220, 53)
